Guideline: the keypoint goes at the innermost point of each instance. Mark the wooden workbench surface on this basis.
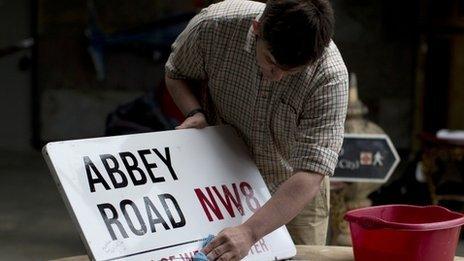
(318, 253)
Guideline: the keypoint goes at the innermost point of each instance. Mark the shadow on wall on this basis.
(377, 41)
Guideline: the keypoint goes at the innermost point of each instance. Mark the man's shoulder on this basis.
(233, 10)
(328, 68)
(331, 63)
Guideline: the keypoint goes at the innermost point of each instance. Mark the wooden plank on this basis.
(326, 253)
(320, 253)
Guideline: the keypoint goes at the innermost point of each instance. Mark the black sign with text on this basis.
(366, 158)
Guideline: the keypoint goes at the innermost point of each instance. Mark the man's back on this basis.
(219, 46)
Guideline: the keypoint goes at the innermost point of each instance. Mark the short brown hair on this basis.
(297, 31)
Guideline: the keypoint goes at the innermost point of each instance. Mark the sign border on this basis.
(49, 147)
(65, 198)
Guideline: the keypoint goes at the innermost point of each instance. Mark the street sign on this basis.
(157, 196)
(366, 158)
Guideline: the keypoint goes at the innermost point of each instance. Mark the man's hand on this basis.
(197, 121)
(230, 244)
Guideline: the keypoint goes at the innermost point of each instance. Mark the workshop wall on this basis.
(15, 100)
(377, 40)
(78, 86)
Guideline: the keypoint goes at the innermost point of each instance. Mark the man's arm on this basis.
(185, 64)
(291, 197)
(319, 136)
(182, 95)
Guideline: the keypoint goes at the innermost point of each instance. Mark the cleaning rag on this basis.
(200, 256)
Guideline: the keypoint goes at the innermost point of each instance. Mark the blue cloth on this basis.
(200, 256)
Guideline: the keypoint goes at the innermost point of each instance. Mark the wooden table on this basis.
(330, 253)
(324, 253)
(442, 161)
(318, 253)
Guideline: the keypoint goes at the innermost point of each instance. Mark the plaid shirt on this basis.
(296, 123)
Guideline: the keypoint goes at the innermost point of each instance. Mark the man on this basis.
(274, 74)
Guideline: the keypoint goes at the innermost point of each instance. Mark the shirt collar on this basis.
(251, 38)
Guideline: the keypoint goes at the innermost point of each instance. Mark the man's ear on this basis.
(256, 27)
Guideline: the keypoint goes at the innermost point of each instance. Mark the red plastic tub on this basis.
(404, 233)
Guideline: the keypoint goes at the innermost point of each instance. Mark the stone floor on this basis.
(34, 223)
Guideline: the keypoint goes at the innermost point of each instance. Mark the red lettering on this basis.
(186, 256)
(251, 251)
(247, 190)
(259, 247)
(263, 245)
(209, 203)
(228, 197)
(228, 200)
(182, 256)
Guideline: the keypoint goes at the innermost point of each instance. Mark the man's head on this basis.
(291, 35)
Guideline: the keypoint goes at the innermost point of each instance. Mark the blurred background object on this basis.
(115, 52)
(443, 167)
(351, 195)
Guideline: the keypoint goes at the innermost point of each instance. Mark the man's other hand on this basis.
(230, 244)
(197, 121)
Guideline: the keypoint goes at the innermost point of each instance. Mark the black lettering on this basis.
(109, 221)
(113, 170)
(167, 161)
(159, 219)
(149, 166)
(143, 227)
(92, 181)
(133, 167)
(174, 224)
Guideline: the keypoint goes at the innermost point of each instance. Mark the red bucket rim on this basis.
(378, 223)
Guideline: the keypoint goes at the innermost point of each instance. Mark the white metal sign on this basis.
(156, 196)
